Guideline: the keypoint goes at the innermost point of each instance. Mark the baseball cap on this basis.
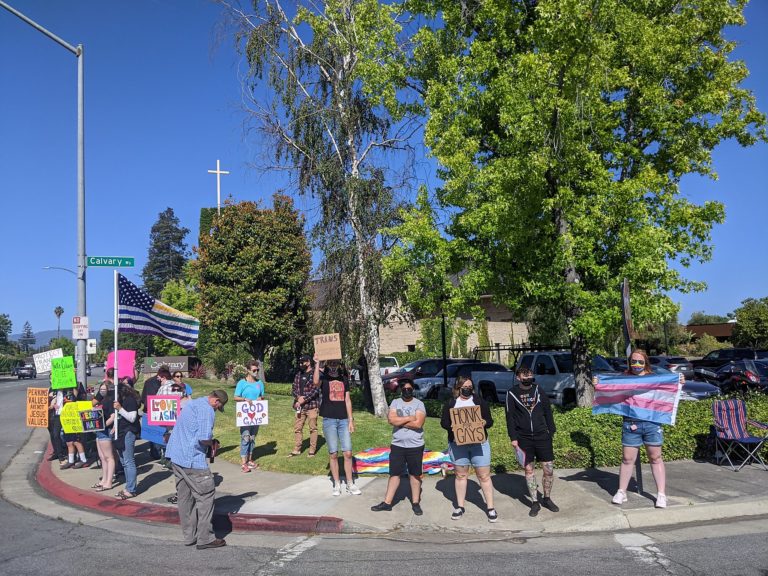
(305, 358)
(222, 397)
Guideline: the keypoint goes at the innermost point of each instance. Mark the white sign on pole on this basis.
(43, 359)
(80, 327)
(90, 346)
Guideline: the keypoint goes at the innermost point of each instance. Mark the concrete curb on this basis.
(146, 512)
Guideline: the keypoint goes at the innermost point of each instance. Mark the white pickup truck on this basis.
(553, 372)
(387, 364)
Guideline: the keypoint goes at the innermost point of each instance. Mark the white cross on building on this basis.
(218, 173)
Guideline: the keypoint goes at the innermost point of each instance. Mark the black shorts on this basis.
(72, 437)
(538, 448)
(399, 457)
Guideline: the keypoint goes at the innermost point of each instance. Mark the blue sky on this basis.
(163, 103)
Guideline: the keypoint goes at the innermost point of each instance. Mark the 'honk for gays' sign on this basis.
(162, 410)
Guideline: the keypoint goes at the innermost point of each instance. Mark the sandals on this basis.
(311, 454)
(292, 454)
(97, 485)
(253, 465)
(102, 488)
(245, 468)
(123, 495)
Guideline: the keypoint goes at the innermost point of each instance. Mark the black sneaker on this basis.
(382, 507)
(492, 515)
(549, 505)
(457, 513)
(417, 509)
(79, 464)
(535, 509)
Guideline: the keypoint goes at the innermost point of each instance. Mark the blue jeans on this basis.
(129, 462)
(247, 440)
(336, 431)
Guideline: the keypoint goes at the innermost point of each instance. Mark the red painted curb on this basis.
(49, 482)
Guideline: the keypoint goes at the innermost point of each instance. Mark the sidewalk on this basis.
(271, 501)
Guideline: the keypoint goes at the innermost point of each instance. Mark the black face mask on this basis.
(407, 393)
(466, 392)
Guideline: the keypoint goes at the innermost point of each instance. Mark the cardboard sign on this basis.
(63, 373)
(71, 422)
(92, 419)
(43, 359)
(37, 407)
(252, 413)
(327, 346)
(163, 410)
(126, 360)
(468, 425)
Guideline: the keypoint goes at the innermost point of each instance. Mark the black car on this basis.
(676, 364)
(739, 376)
(718, 358)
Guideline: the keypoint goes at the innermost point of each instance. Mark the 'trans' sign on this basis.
(163, 410)
(468, 425)
(37, 407)
(43, 359)
(327, 346)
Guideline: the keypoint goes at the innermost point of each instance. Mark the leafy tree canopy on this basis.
(6, 326)
(751, 328)
(700, 317)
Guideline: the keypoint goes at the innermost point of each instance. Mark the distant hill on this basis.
(43, 337)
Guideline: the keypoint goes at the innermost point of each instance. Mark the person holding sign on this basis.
(467, 418)
(338, 423)
(406, 415)
(73, 439)
(249, 388)
(531, 427)
(104, 399)
(128, 429)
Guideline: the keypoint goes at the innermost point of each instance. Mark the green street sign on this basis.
(110, 261)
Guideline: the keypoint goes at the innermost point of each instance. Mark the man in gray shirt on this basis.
(407, 415)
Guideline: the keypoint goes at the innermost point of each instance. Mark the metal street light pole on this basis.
(81, 266)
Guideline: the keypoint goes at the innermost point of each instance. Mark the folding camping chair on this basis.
(732, 439)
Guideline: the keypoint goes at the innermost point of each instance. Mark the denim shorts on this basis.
(336, 432)
(103, 435)
(477, 455)
(648, 433)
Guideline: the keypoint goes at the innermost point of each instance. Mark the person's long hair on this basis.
(647, 370)
(460, 381)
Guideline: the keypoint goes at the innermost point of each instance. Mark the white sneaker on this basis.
(353, 489)
(661, 500)
(620, 497)
(336, 490)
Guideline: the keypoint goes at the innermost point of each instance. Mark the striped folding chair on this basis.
(733, 441)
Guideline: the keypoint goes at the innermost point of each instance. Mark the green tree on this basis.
(107, 339)
(67, 345)
(58, 311)
(751, 328)
(701, 317)
(6, 326)
(335, 69)
(27, 337)
(252, 273)
(563, 130)
(167, 253)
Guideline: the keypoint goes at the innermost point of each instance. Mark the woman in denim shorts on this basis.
(476, 453)
(635, 433)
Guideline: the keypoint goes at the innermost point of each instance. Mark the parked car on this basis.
(425, 368)
(434, 388)
(674, 364)
(387, 364)
(26, 371)
(739, 376)
(718, 358)
(692, 389)
(618, 363)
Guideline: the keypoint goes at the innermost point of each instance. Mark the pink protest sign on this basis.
(126, 362)
(163, 410)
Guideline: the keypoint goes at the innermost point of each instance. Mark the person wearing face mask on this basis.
(476, 455)
(249, 388)
(104, 399)
(406, 415)
(306, 403)
(531, 427)
(635, 433)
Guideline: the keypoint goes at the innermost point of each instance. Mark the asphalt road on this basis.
(39, 545)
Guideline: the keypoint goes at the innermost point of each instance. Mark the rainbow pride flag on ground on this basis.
(653, 398)
(376, 461)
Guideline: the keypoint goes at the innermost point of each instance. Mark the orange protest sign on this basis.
(37, 407)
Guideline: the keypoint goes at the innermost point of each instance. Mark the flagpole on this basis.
(117, 329)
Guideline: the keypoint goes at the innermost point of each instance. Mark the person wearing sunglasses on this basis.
(249, 389)
(635, 433)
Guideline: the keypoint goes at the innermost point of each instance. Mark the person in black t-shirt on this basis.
(128, 429)
(338, 423)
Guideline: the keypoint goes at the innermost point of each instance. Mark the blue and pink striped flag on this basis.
(653, 398)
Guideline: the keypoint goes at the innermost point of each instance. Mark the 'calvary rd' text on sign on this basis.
(111, 261)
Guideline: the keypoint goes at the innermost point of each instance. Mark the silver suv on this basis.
(554, 373)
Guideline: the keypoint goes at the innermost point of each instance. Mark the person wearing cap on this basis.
(195, 487)
(306, 403)
(531, 427)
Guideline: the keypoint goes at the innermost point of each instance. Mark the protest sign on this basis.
(70, 416)
(468, 425)
(162, 410)
(43, 359)
(37, 407)
(154, 434)
(327, 346)
(126, 361)
(63, 373)
(92, 419)
(252, 413)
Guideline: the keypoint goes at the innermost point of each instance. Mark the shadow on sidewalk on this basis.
(607, 481)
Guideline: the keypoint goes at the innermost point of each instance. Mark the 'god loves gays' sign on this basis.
(163, 410)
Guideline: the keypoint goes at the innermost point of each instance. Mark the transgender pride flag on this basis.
(653, 398)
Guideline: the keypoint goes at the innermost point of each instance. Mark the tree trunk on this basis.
(582, 371)
(257, 352)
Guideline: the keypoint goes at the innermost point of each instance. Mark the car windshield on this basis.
(762, 368)
(387, 362)
(678, 360)
(565, 363)
(408, 367)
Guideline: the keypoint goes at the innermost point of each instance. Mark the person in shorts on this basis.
(406, 415)
(475, 454)
(531, 428)
(338, 423)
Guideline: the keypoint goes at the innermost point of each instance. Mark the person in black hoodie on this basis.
(531, 427)
(476, 454)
